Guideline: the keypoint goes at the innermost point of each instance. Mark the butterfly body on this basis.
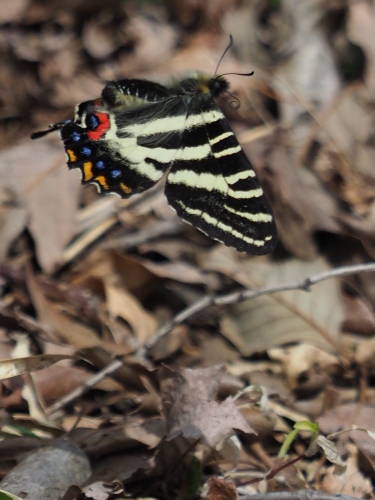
(138, 131)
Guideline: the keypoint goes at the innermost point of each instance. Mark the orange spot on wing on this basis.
(87, 171)
(71, 155)
(125, 188)
(102, 181)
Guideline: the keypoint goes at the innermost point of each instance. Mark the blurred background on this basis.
(93, 276)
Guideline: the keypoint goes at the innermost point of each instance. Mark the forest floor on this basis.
(140, 358)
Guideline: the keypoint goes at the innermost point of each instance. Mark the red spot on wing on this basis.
(101, 129)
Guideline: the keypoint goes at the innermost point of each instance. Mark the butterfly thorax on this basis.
(200, 84)
(139, 92)
(133, 92)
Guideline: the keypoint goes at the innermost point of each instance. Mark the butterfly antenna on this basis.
(230, 44)
(237, 74)
(52, 128)
(225, 51)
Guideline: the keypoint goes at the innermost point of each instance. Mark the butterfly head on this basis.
(217, 85)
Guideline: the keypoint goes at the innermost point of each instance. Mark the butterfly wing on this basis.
(213, 186)
(125, 141)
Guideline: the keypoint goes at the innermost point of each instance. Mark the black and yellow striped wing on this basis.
(213, 186)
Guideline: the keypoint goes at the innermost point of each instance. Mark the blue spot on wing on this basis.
(76, 136)
(94, 122)
(116, 173)
(86, 151)
(100, 164)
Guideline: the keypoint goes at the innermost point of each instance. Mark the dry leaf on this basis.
(123, 304)
(304, 360)
(341, 151)
(191, 410)
(36, 175)
(220, 489)
(71, 331)
(284, 317)
(280, 318)
(330, 451)
(13, 367)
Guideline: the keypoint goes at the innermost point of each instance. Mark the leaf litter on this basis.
(87, 281)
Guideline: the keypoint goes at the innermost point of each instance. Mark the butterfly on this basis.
(139, 130)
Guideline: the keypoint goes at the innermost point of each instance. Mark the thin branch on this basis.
(98, 377)
(274, 471)
(236, 297)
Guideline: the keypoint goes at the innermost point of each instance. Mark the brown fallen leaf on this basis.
(220, 489)
(123, 304)
(340, 149)
(352, 422)
(13, 367)
(284, 317)
(191, 410)
(36, 175)
(350, 482)
(142, 432)
(57, 381)
(304, 360)
(300, 204)
(71, 331)
(359, 315)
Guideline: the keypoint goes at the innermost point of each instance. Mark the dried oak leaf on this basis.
(190, 406)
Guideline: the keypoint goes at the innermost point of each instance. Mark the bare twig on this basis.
(236, 297)
(69, 398)
(274, 471)
(86, 239)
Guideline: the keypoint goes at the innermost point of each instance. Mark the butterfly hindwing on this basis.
(124, 144)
